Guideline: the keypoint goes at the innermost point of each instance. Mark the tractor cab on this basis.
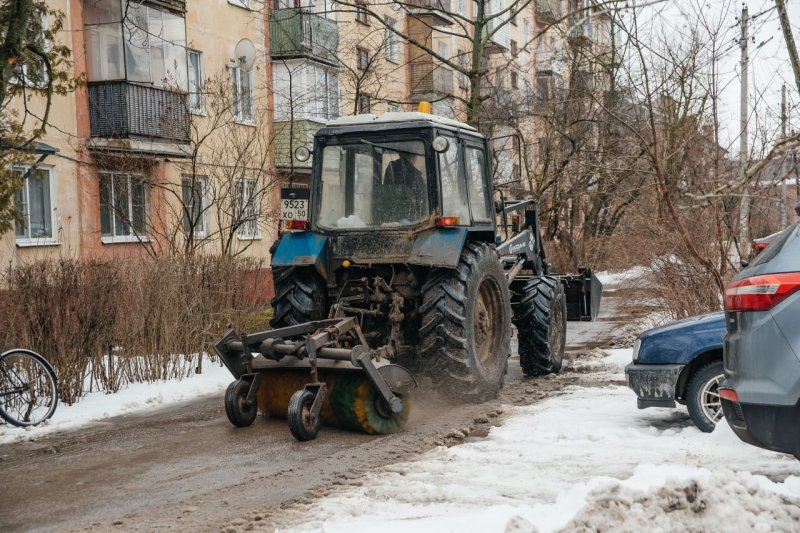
(399, 171)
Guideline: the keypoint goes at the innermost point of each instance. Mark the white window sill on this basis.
(239, 4)
(28, 243)
(249, 237)
(123, 239)
(200, 111)
(245, 122)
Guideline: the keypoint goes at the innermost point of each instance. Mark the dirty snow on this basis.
(351, 222)
(587, 460)
(607, 277)
(135, 398)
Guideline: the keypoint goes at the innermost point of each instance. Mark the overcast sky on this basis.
(769, 61)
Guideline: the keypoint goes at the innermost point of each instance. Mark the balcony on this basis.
(437, 10)
(548, 11)
(294, 32)
(120, 109)
(429, 79)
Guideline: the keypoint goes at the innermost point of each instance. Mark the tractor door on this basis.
(464, 177)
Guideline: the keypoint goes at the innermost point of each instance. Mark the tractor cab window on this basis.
(373, 184)
(476, 179)
(454, 190)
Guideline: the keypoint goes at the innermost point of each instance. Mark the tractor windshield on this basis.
(367, 184)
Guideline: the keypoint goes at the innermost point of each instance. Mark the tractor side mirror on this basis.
(499, 205)
(797, 208)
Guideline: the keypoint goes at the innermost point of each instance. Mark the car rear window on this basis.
(787, 239)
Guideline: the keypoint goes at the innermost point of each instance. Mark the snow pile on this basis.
(135, 398)
(705, 502)
(615, 278)
(584, 457)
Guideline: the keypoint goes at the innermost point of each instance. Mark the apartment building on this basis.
(167, 144)
(192, 110)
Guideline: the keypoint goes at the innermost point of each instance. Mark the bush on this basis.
(106, 324)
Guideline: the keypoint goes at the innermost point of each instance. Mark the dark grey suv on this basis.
(761, 392)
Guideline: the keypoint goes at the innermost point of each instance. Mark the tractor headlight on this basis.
(440, 144)
(302, 153)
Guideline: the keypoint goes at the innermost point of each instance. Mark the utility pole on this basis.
(784, 193)
(744, 207)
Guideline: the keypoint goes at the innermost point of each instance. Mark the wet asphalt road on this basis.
(186, 468)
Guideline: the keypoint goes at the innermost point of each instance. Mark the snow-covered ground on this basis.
(586, 460)
(136, 398)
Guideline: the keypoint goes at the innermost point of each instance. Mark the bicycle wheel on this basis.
(28, 388)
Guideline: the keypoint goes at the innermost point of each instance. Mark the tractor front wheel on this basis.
(466, 325)
(540, 315)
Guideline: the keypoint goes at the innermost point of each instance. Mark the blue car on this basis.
(681, 362)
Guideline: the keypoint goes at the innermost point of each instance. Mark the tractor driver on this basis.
(404, 181)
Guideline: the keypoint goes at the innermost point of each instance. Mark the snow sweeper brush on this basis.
(313, 373)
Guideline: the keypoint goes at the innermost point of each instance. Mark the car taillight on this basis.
(728, 394)
(447, 221)
(295, 225)
(760, 293)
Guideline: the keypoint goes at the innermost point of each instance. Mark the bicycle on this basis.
(28, 388)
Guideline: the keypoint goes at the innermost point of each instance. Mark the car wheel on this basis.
(702, 399)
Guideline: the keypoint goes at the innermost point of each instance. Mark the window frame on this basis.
(391, 41)
(133, 237)
(362, 16)
(362, 98)
(242, 206)
(362, 54)
(26, 240)
(244, 4)
(202, 227)
(200, 108)
(239, 117)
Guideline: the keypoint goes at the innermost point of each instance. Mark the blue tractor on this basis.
(398, 263)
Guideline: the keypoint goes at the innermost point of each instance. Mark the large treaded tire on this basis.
(465, 340)
(540, 315)
(299, 296)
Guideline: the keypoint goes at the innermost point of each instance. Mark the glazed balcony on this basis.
(295, 32)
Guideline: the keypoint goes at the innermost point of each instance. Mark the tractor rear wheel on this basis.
(540, 315)
(299, 296)
(466, 325)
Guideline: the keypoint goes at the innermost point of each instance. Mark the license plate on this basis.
(294, 209)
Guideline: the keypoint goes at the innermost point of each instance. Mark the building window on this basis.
(463, 79)
(363, 104)
(196, 81)
(391, 42)
(136, 42)
(514, 48)
(362, 15)
(123, 207)
(514, 82)
(242, 94)
(195, 206)
(392, 108)
(362, 58)
(248, 209)
(325, 91)
(526, 32)
(34, 203)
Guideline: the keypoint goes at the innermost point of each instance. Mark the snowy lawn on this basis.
(588, 459)
(136, 398)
